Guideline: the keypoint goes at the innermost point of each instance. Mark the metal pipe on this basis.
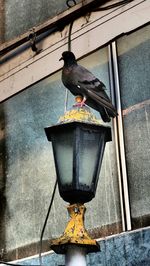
(115, 131)
(121, 138)
(75, 255)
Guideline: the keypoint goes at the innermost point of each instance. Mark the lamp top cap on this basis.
(79, 114)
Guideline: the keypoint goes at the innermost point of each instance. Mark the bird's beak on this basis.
(61, 59)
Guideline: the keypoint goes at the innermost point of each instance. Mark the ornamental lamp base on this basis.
(75, 233)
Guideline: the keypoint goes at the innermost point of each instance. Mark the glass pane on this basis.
(88, 152)
(63, 145)
(134, 70)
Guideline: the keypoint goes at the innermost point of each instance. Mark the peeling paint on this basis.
(136, 107)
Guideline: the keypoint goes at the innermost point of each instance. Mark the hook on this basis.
(32, 39)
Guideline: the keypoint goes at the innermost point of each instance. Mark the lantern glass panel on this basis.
(88, 155)
(63, 150)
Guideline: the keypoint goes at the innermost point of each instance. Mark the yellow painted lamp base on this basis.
(75, 232)
(79, 114)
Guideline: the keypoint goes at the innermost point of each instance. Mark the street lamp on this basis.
(78, 142)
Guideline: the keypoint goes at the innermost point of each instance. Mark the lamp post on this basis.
(78, 142)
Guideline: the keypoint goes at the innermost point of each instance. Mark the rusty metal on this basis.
(75, 232)
(80, 114)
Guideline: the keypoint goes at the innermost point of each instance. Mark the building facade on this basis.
(114, 43)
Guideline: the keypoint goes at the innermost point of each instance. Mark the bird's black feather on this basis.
(81, 81)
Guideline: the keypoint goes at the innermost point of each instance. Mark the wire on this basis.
(112, 6)
(69, 36)
(69, 49)
(45, 222)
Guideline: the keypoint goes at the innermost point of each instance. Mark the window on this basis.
(134, 69)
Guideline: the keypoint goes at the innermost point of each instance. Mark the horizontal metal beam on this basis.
(55, 24)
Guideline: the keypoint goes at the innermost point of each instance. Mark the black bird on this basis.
(81, 81)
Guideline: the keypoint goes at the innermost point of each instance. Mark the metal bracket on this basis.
(32, 39)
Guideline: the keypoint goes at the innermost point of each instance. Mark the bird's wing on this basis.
(92, 86)
(85, 78)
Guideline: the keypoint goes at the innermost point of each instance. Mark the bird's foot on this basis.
(80, 101)
(79, 104)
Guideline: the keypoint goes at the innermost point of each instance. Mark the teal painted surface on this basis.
(134, 67)
(128, 249)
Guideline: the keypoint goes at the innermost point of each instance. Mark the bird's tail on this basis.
(104, 114)
(106, 108)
